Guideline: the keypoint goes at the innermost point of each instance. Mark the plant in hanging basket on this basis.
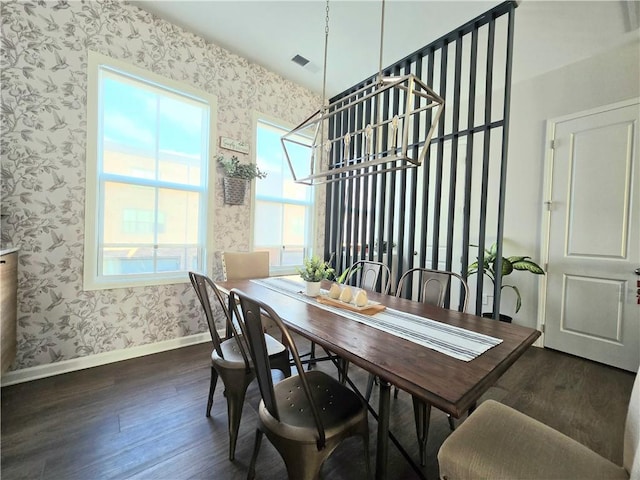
(234, 169)
(237, 175)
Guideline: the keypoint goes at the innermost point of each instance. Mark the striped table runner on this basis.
(453, 341)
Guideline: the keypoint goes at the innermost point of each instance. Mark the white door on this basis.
(592, 308)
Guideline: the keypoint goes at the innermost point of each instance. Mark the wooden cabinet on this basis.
(8, 308)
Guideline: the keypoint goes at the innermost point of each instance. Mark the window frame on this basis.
(92, 280)
(311, 247)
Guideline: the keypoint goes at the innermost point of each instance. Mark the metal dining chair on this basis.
(249, 265)
(305, 416)
(365, 274)
(229, 358)
(432, 287)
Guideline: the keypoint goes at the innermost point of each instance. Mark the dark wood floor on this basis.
(144, 418)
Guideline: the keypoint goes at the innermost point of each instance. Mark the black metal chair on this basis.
(367, 273)
(305, 416)
(431, 287)
(230, 359)
(364, 274)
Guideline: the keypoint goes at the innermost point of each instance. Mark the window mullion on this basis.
(157, 189)
(145, 182)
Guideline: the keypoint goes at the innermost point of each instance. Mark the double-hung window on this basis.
(284, 210)
(149, 141)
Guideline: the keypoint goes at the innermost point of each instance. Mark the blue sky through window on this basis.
(131, 110)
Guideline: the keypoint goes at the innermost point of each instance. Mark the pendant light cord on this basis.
(381, 42)
(326, 43)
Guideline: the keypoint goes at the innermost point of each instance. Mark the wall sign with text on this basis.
(235, 145)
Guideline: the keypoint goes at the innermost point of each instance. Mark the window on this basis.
(147, 176)
(135, 220)
(283, 213)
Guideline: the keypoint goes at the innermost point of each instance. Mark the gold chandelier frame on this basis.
(388, 144)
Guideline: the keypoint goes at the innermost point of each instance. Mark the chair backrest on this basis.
(203, 285)
(631, 452)
(244, 265)
(252, 312)
(368, 272)
(434, 285)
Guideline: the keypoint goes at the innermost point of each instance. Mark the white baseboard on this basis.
(80, 363)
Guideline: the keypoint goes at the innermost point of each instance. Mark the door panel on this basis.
(599, 189)
(594, 243)
(590, 308)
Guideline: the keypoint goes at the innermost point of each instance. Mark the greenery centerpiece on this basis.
(237, 176)
(509, 264)
(313, 271)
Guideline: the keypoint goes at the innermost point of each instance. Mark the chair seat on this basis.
(338, 407)
(497, 441)
(233, 356)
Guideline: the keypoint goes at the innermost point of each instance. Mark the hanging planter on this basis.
(237, 177)
(235, 190)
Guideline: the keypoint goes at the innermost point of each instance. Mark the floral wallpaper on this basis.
(42, 149)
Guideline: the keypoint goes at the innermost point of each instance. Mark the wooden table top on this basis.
(449, 384)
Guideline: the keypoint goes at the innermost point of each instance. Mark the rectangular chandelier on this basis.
(401, 106)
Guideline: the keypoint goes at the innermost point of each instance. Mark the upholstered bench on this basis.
(498, 442)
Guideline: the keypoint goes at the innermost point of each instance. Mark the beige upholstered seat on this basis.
(230, 360)
(305, 416)
(247, 265)
(244, 265)
(497, 441)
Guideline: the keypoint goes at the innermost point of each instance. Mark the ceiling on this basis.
(548, 34)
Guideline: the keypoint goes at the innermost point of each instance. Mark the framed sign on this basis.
(235, 145)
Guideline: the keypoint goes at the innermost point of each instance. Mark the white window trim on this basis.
(91, 280)
(289, 269)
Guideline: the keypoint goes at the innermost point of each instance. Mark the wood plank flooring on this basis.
(145, 419)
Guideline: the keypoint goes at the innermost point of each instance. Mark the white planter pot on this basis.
(313, 289)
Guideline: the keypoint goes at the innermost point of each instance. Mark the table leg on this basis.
(422, 414)
(383, 430)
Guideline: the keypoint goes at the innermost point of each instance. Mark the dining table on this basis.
(440, 356)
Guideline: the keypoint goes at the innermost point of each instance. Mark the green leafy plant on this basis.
(509, 264)
(234, 169)
(315, 269)
(385, 246)
(345, 275)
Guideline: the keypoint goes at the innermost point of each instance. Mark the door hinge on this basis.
(552, 144)
(542, 328)
(548, 204)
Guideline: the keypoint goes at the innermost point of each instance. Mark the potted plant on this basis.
(237, 176)
(313, 272)
(509, 264)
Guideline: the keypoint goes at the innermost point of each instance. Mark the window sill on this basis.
(135, 282)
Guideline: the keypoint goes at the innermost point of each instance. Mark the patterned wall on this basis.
(43, 118)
